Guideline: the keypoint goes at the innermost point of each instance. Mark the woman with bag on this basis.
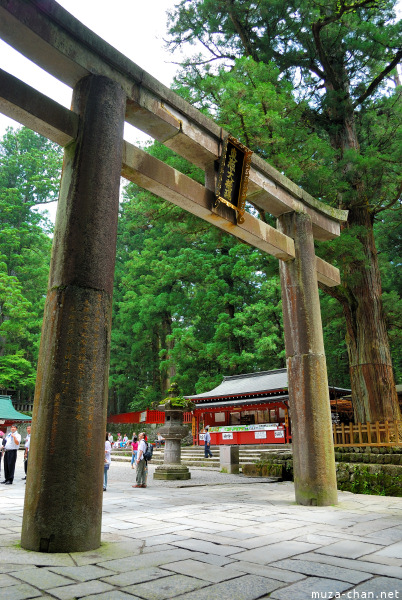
(108, 460)
(134, 446)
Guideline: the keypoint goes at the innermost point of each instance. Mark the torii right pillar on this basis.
(313, 449)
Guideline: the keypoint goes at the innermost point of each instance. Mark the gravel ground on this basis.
(121, 472)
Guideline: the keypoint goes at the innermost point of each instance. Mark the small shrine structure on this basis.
(8, 414)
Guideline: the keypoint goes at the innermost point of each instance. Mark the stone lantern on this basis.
(174, 406)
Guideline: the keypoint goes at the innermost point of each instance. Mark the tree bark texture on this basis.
(370, 365)
(372, 378)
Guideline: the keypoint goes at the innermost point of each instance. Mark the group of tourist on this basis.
(120, 442)
(9, 445)
(138, 448)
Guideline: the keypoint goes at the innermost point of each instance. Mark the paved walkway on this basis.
(215, 537)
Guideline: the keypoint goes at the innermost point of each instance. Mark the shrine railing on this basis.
(387, 433)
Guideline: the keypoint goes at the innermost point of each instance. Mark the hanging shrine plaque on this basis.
(233, 176)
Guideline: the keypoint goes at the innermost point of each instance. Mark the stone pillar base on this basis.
(172, 472)
(229, 459)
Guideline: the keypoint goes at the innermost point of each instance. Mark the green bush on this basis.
(378, 483)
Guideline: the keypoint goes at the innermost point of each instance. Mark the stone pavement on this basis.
(215, 537)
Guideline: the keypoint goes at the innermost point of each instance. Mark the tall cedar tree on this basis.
(340, 58)
(29, 176)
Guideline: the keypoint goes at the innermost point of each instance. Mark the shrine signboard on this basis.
(234, 169)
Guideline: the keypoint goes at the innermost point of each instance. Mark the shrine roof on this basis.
(247, 384)
(8, 412)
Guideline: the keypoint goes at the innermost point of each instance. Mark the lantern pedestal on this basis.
(173, 431)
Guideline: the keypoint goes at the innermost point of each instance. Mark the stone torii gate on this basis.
(63, 503)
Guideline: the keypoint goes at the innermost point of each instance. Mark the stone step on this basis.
(194, 455)
(199, 450)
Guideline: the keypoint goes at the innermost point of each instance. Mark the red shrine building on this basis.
(244, 409)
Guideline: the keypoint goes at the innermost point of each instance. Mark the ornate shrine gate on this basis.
(63, 503)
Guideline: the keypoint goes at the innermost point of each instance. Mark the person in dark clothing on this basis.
(207, 440)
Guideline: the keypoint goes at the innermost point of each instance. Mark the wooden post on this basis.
(313, 449)
(63, 500)
(359, 432)
(387, 439)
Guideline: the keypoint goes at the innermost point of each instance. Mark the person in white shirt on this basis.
(13, 440)
(27, 441)
(108, 461)
(141, 463)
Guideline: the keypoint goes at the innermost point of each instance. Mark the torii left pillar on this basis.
(63, 500)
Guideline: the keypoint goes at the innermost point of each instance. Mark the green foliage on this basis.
(16, 372)
(378, 483)
(191, 304)
(29, 176)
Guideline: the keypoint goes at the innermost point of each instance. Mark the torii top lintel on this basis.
(56, 41)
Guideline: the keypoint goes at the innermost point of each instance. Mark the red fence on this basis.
(146, 416)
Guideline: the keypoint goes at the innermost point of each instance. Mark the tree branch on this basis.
(243, 34)
(376, 82)
(391, 203)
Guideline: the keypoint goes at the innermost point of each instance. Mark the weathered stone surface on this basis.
(319, 570)
(350, 549)
(113, 595)
(306, 588)
(207, 547)
(250, 470)
(203, 571)
(83, 573)
(229, 459)
(21, 591)
(259, 517)
(270, 553)
(313, 451)
(173, 431)
(6, 580)
(42, 578)
(166, 588)
(248, 587)
(172, 472)
(77, 590)
(136, 576)
(63, 505)
(377, 586)
(36, 110)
